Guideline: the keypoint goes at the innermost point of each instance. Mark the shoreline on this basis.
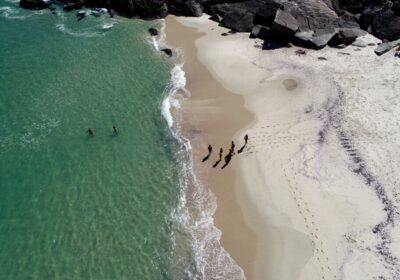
(310, 186)
(213, 115)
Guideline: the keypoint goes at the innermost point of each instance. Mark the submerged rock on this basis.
(34, 4)
(153, 31)
(167, 51)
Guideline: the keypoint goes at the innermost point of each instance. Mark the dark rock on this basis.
(185, 8)
(151, 8)
(345, 36)
(341, 46)
(34, 4)
(81, 15)
(216, 18)
(284, 26)
(238, 21)
(367, 17)
(386, 25)
(266, 14)
(224, 34)
(167, 51)
(322, 58)
(385, 47)
(237, 15)
(260, 31)
(153, 31)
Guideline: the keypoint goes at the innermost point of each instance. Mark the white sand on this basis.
(317, 122)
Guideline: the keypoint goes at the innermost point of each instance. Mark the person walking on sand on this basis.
(232, 150)
(220, 153)
(246, 138)
(115, 131)
(90, 131)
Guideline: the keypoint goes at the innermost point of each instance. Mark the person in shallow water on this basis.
(115, 131)
(90, 131)
(209, 153)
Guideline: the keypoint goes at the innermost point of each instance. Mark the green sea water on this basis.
(74, 206)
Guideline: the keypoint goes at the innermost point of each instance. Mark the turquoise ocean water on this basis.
(73, 206)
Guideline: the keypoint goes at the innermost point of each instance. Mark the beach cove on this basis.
(308, 191)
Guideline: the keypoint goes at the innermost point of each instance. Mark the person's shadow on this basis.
(216, 163)
(228, 159)
(241, 149)
(206, 157)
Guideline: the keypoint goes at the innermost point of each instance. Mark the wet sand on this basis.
(212, 115)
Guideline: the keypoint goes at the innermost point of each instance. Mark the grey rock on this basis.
(346, 36)
(284, 26)
(385, 47)
(316, 40)
(238, 21)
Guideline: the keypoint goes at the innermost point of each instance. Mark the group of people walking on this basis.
(90, 131)
(228, 156)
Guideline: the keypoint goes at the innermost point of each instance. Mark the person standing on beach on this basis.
(232, 150)
(90, 131)
(220, 153)
(246, 138)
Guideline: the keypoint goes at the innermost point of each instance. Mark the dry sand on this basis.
(316, 194)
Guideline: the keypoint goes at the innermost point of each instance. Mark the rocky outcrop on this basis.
(284, 26)
(310, 23)
(189, 8)
(34, 4)
(386, 25)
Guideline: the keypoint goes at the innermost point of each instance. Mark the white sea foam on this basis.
(12, 13)
(107, 25)
(86, 34)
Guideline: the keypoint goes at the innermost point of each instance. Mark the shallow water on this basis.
(74, 206)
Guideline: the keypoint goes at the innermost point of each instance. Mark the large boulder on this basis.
(314, 39)
(284, 26)
(346, 36)
(239, 21)
(266, 14)
(385, 47)
(151, 8)
(185, 8)
(34, 4)
(386, 25)
(243, 12)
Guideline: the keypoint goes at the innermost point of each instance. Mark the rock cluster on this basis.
(309, 23)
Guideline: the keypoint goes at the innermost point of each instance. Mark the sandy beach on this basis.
(315, 193)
